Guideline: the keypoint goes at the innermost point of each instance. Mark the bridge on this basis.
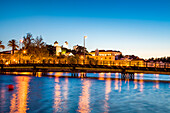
(85, 68)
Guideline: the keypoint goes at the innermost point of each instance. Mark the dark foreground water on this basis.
(68, 95)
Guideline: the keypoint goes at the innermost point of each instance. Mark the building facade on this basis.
(104, 56)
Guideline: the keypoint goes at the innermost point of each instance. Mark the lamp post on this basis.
(84, 48)
(21, 41)
(24, 51)
(20, 47)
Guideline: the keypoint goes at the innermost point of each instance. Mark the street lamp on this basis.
(20, 47)
(21, 41)
(24, 51)
(84, 47)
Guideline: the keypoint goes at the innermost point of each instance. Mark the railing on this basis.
(91, 62)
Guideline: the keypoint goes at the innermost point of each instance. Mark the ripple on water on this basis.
(44, 94)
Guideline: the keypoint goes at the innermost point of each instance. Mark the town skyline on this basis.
(61, 43)
(132, 27)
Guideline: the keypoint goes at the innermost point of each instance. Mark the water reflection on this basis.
(136, 83)
(107, 91)
(57, 95)
(120, 85)
(84, 106)
(39, 74)
(20, 98)
(116, 81)
(103, 97)
(2, 97)
(101, 76)
(156, 84)
(57, 74)
(65, 93)
(141, 82)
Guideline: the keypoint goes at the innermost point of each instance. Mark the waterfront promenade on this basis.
(87, 68)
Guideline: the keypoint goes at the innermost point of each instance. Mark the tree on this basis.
(36, 49)
(38, 42)
(51, 49)
(27, 41)
(80, 51)
(1, 46)
(13, 43)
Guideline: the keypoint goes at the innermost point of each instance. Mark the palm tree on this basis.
(13, 43)
(1, 46)
(39, 42)
(27, 40)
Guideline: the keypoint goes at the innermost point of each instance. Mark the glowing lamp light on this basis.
(81, 57)
(24, 51)
(6, 63)
(21, 41)
(85, 37)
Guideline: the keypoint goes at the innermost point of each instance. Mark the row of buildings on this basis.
(102, 56)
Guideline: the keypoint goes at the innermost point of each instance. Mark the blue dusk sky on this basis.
(139, 27)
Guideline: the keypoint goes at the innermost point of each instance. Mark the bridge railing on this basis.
(91, 62)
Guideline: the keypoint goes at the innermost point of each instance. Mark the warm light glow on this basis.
(6, 63)
(81, 57)
(57, 74)
(38, 74)
(116, 81)
(101, 76)
(57, 95)
(21, 41)
(19, 99)
(120, 85)
(25, 73)
(107, 91)
(85, 37)
(24, 51)
(84, 106)
(108, 74)
(136, 84)
(141, 82)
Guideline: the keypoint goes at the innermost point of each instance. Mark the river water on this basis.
(35, 94)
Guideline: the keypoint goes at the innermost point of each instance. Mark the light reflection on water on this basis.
(107, 91)
(20, 98)
(54, 94)
(57, 96)
(84, 97)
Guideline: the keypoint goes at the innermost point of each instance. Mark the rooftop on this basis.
(107, 51)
